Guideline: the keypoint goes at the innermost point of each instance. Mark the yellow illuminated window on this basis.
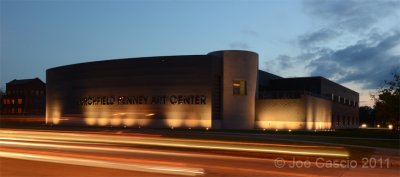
(19, 110)
(239, 87)
(8, 101)
(19, 101)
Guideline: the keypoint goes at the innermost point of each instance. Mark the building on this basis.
(327, 104)
(24, 97)
(2, 94)
(220, 90)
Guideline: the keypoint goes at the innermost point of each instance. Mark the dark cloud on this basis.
(285, 61)
(344, 17)
(317, 37)
(368, 62)
(239, 45)
(367, 57)
(351, 15)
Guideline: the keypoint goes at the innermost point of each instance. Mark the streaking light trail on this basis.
(181, 143)
(105, 164)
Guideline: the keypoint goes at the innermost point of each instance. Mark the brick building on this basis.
(24, 97)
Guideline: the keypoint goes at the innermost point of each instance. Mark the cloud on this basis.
(285, 61)
(239, 45)
(351, 45)
(341, 18)
(317, 37)
(352, 42)
(288, 66)
(351, 15)
(368, 62)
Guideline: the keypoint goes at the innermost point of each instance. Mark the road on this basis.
(78, 154)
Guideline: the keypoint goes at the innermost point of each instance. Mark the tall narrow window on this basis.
(239, 87)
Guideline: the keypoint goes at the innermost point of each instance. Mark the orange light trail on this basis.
(105, 164)
(179, 143)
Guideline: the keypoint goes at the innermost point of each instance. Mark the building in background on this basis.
(312, 97)
(2, 94)
(24, 97)
(220, 90)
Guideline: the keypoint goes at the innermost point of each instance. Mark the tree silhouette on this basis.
(387, 103)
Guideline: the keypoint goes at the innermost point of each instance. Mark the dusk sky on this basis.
(355, 43)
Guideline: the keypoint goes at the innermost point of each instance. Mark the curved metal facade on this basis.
(157, 92)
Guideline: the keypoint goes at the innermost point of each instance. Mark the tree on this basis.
(367, 115)
(387, 103)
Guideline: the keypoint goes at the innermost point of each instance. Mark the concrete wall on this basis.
(307, 112)
(344, 113)
(318, 113)
(238, 111)
(344, 100)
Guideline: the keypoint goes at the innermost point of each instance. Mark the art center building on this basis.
(220, 90)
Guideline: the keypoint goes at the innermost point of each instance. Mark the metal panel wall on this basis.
(155, 92)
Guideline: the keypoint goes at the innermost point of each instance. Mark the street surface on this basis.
(78, 154)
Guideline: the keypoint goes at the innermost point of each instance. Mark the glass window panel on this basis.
(239, 87)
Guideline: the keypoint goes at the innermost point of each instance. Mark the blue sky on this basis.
(355, 43)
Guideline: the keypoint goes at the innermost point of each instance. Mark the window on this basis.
(239, 87)
(335, 98)
(19, 100)
(344, 121)
(4, 101)
(19, 110)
